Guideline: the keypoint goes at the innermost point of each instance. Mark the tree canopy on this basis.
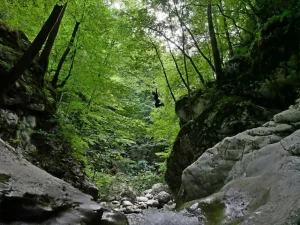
(103, 59)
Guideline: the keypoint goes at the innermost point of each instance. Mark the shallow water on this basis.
(164, 217)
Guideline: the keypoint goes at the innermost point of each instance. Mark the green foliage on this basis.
(107, 104)
(139, 182)
(113, 185)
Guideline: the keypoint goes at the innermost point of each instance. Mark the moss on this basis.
(4, 178)
(236, 222)
(213, 212)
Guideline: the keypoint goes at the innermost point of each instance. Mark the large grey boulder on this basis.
(216, 116)
(29, 195)
(253, 177)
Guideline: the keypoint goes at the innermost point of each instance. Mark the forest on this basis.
(111, 73)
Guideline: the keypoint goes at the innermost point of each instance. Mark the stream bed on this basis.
(165, 217)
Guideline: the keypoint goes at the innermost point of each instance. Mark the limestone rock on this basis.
(222, 116)
(29, 195)
(251, 177)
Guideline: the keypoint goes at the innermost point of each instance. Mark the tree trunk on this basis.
(187, 76)
(214, 44)
(164, 70)
(63, 83)
(231, 53)
(182, 23)
(183, 52)
(44, 57)
(8, 79)
(64, 56)
(177, 68)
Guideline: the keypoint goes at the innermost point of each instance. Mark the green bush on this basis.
(114, 185)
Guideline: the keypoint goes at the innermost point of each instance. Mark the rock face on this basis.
(216, 116)
(29, 195)
(251, 178)
(27, 118)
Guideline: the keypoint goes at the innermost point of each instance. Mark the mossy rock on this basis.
(12, 38)
(4, 178)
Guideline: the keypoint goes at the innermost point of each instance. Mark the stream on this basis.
(165, 217)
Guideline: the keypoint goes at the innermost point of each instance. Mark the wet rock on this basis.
(132, 209)
(112, 218)
(160, 217)
(170, 207)
(29, 195)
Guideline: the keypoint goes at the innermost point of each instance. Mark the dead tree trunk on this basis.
(64, 56)
(8, 79)
(44, 57)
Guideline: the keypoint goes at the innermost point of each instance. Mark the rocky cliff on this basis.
(252, 177)
(256, 86)
(29, 195)
(27, 118)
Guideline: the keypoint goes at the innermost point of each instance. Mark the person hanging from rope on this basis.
(158, 103)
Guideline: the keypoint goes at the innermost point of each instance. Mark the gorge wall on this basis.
(236, 157)
(27, 118)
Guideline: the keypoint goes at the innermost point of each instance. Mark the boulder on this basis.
(29, 195)
(129, 194)
(152, 203)
(92, 190)
(251, 178)
(127, 203)
(142, 199)
(215, 116)
(149, 196)
(163, 197)
(157, 188)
